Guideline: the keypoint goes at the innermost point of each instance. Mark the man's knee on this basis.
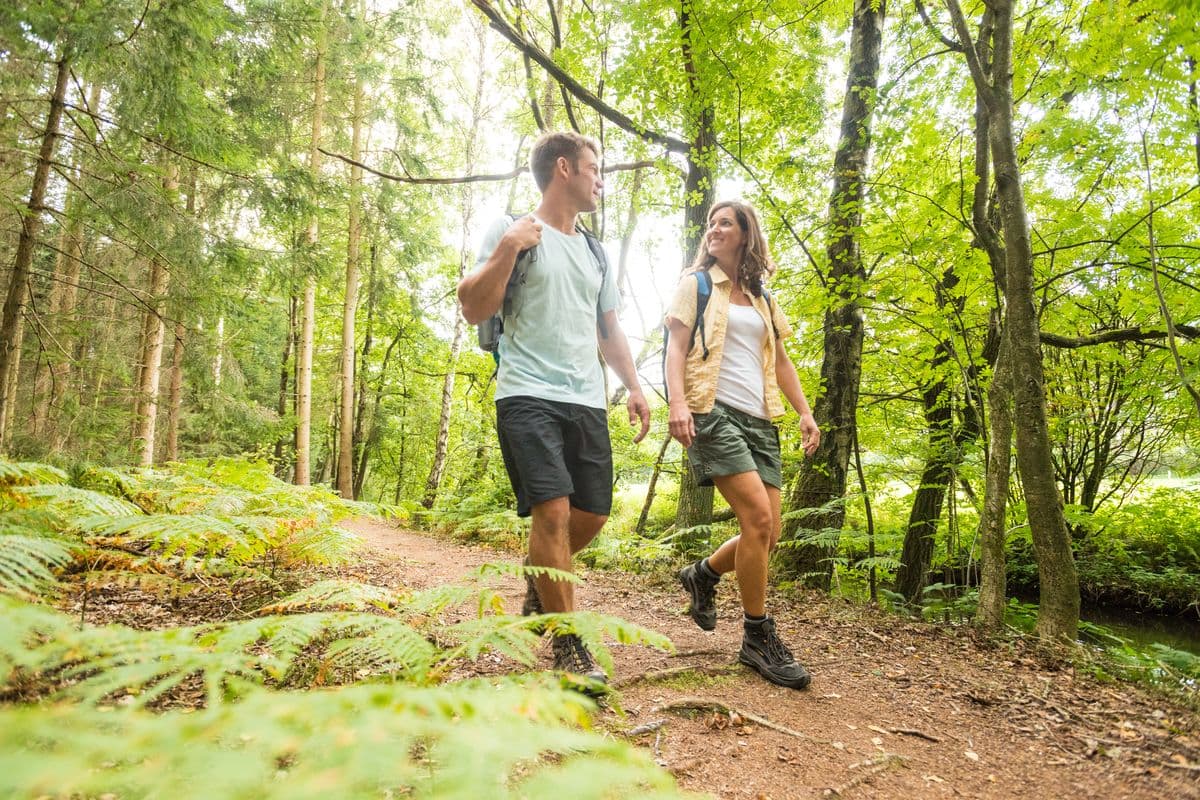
(552, 517)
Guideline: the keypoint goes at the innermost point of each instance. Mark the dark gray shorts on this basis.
(554, 450)
(729, 442)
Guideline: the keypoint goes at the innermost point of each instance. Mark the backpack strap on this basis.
(703, 293)
(766, 293)
(602, 262)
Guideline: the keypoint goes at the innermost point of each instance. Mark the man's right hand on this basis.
(525, 233)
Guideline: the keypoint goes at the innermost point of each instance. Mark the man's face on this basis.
(584, 181)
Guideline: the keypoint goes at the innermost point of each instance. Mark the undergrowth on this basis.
(338, 689)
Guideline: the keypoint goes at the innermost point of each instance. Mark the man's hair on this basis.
(756, 259)
(552, 146)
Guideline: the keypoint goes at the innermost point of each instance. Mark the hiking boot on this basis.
(533, 601)
(571, 656)
(703, 591)
(763, 650)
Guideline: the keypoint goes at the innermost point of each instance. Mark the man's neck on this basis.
(557, 216)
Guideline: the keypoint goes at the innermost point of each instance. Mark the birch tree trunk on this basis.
(821, 483)
(466, 201)
(304, 352)
(153, 331)
(31, 225)
(345, 462)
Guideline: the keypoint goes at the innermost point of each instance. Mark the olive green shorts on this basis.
(729, 442)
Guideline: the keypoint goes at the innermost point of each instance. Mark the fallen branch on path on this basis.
(914, 732)
(702, 704)
(646, 728)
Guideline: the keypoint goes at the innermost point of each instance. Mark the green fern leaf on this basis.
(29, 474)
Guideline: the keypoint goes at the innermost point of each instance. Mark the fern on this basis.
(27, 562)
(182, 535)
(69, 502)
(29, 474)
(515, 738)
(335, 594)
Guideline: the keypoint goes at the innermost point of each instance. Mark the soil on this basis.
(896, 709)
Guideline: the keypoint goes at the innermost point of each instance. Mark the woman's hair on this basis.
(756, 261)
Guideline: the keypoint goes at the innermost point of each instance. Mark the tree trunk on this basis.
(153, 330)
(175, 409)
(301, 475)
(466, 198)
(360, 452)
(695, 502)
(281, 407)
(14, 375)
(989, 614)
(345, 472)
(304, 352)
(650, 489)
(1058, 615)
(917, 553)
(821, 483)
(31, 225)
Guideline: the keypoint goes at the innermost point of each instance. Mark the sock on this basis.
(751, 620)
(708, 571)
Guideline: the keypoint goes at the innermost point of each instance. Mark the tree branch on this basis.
(502, 26)
(485, 178)
(1135, 334)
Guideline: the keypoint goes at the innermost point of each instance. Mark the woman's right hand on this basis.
(681, 424)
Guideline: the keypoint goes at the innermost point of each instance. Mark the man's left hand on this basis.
(639, 409)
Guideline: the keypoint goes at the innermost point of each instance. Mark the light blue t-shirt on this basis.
(548, 349)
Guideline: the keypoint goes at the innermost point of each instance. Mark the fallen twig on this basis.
(914, 732)
(702, 704)
(646, 728)
(873, 768)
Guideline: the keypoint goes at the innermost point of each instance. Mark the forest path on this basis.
(896, 709)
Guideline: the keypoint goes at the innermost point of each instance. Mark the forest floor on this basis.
(896, 709)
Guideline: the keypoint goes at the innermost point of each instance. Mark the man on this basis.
(550, 400)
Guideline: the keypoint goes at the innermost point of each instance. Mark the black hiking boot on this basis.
(571, 656)
(763, 650)
(703, 591)
(533, 601)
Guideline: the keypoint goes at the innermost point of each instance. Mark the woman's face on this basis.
(724, 237)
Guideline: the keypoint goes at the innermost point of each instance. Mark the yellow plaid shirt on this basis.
(700, 374)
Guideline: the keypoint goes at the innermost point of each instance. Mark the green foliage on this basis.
(512, 738)
(1145, 554)
(256, 718)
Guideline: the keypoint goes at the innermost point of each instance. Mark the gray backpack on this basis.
(490, 330)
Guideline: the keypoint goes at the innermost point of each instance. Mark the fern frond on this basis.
(70, 502)
(338, 595)
(178, 534)
(142, 576)
(26, 562)
(322, 544)
(593, 628)
(512, 636)
(381, 645)
(29, 474)
(459, 742)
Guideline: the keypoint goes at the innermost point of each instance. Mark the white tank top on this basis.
(740, 380)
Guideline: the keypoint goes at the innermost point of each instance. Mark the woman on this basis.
(724, 384)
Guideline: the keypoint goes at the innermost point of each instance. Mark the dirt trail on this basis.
(895, 710)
